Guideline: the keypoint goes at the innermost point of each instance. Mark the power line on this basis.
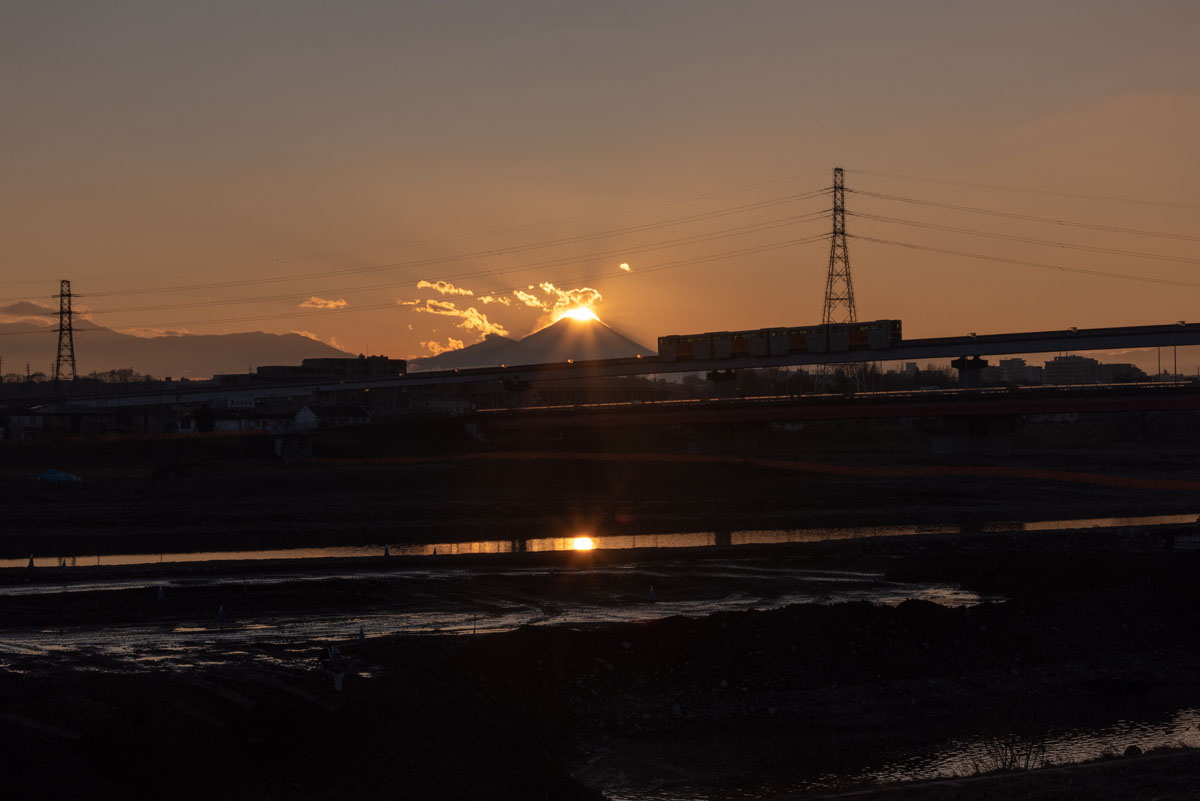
(746, 207)
(591, 278)
(994, 187)
(1027, 239)
(1027, 217)
(671, 243)
(1025, 263)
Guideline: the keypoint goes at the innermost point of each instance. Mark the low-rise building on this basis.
(1084, 370)
(1072, 370)
(1012, 371)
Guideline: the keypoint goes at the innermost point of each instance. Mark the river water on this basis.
(181, 645)
(587, 540)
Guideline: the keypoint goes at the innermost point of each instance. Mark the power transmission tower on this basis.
(66, 332)
(839, 291)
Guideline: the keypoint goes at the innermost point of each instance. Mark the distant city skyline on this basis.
(406, 179)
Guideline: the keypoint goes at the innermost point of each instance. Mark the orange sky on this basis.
(302, 167)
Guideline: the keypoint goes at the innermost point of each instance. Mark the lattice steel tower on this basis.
(66, 332)
(839, 291)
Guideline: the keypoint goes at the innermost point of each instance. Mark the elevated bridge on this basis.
(964, 347)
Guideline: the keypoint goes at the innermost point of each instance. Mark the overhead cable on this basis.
(1024, 263)
(608, 275)
(649, 248)
(746, 207)
(1027, 191)
(1027, 239)
(1028, 217)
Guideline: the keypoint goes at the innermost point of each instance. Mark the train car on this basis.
(722, 344)
(777, 341)
(760, 342)
(885, 334)
(739, 343)
(810, 339)
(874, 335)
(834, 338)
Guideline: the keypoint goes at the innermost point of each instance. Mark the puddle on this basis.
(964, 758)
(457, 608)
(955, 758)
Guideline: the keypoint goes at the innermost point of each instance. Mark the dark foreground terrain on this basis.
(1077, 629)
(1093, 626)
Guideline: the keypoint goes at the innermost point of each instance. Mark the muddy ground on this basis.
(1092, 625)
(1084, 627)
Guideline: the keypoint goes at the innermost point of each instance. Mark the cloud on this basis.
(31, 311)
(562, 300)
(146, 333)
(445, 287)
(495, 299)
(470, 319)
(625, 267)
(320, 303)
(332, 341)
(28, 308)
(529, 299)
(437, 348)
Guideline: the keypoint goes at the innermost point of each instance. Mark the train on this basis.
(831, 338)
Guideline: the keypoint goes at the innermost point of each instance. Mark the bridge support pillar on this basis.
(724, 382)
(969, 371)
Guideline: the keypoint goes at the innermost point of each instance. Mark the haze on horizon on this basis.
(377, 177)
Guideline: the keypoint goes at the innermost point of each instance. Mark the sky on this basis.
(403, 178)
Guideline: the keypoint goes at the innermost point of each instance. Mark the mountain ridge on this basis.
(565, 339)
(199, 356)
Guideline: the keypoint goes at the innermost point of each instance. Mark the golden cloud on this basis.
(332, 341)
(150, 333)
(321, 303)
(470, 318)
(529, 299)
(436, 348)
(445, 287)
(562, 300)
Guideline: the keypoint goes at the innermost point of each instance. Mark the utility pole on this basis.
(66, 333)
(839, 291)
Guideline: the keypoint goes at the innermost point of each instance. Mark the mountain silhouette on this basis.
(493, 350)
(568, 338)
(192, 355)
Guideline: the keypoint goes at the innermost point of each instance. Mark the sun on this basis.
(579, 313)
(583, 543)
